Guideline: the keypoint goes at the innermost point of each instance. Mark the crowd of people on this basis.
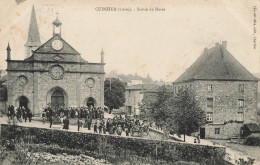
(21, 113)
(116, 125)
(91, 117)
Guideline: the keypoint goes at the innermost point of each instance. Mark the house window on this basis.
(209, 116)
(241, 87)
(240, 103)
(210, 103)
(129, 109)
(240, 116)
(210, 87)
(217, 130)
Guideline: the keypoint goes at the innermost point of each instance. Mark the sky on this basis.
(161, 43)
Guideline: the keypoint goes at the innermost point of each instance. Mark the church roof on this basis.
(57, 22)
(216, 64)
(46, 48)
(33, 34)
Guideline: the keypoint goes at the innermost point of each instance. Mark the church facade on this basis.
(53, 73)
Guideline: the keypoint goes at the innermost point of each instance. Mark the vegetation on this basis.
(112, 148)
(114, 93)
(180, 113)
(241, 161)
(252, 140)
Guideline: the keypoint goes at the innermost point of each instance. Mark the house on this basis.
(133, 98)
(225, 90)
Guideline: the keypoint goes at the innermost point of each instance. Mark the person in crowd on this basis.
(126, 131)
(43, 116)
(104, 128)
(111, 129)
(29, 113)
(25, 115)
(100, 127)
(79, 123)
(67, 122)
(95, 127)
(119, 130)
(198, 138)
(50, 120)
(19, 114)
(9, 111)
(89, 121)
(76, 113)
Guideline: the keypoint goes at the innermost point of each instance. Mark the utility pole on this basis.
(110, 82)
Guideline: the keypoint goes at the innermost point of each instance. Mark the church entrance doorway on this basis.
(23, 102)
(90, 102)
(57, 99)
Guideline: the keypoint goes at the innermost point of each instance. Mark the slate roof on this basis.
(33, 38)
(253, 127)
(216, 64)
(57, 22)
(47, 48)
(141, 87)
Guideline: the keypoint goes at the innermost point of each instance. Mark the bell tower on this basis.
(57, 26)
(33, 40)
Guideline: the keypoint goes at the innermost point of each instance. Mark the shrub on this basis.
(115, 148)
(252, 140)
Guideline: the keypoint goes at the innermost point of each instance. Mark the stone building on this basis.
(133, 98)
(53, 73)
(225, 90)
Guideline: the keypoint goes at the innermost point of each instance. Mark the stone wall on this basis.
(225, 109)
(225, 96)
(226, 130)
(132, 98)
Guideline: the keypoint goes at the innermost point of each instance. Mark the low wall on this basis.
(120, 147)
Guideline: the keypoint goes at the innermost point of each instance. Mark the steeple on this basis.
(33, 40)
(57, 26)
(8, 49)
(102, 55)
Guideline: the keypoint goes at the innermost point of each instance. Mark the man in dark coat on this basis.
(67, 123)
(89, 121)
(95, 127)
(79, 124)
(50, 119)
(29, 114)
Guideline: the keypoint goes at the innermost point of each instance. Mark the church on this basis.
(53, 73)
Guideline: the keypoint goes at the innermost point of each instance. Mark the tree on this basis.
(187, 115)
(114, 93)
(181, 114)
(160, 108)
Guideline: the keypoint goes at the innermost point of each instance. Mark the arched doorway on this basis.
(23, 102)
(90, 102)
(57, 99)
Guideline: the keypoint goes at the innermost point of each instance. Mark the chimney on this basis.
(216, 44)
(8, 49)
(224, 44)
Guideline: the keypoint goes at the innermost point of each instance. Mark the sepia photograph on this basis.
(156, 82)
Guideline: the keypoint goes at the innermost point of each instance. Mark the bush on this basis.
(115, 148)
(252, 140)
